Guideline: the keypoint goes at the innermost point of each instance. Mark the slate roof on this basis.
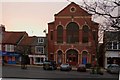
(112, 35)
(28, 41)
(10, 37)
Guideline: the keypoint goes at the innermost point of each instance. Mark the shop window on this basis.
(109, 60)
(42, 59)
(37, 60)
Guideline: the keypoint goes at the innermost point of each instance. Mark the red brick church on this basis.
(73, 36)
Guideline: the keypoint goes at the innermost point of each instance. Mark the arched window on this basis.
(59, 57)
(59, 34)
(72, 33)
(85, 34)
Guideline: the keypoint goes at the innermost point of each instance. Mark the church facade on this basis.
(73, 36)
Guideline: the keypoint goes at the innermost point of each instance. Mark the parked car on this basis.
(49, 65)
(81, 68)
(113, 68)
(65, 66)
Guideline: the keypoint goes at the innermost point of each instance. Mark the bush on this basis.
(88, 65)
(96, 70)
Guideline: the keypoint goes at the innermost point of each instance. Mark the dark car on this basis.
(49, 65)
(65, 67)
(113, 68)
(81, 68)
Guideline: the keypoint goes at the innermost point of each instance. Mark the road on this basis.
(39, 73)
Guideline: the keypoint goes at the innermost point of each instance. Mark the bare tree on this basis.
(108, 13)
(24, 51)
(106, 9)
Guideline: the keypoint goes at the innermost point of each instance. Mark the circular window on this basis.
(72, 9)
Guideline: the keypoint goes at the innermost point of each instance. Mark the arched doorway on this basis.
(59, 57)
(72, 57)
(84, 57)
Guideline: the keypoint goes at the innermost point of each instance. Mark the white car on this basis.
(65, 66)
(113, 68)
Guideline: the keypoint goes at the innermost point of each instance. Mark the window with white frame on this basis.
(39, 49)
(40, 40)
(113, 45)
(39, 60)
(9, 48)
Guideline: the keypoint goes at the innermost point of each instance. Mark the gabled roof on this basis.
(27, 40)
(12, 37)
(79, 11)
(30, 41)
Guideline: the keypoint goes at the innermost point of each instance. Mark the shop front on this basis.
(37, 59)
(112, 57)
(10, 57)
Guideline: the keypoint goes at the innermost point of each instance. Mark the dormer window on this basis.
(40, 40)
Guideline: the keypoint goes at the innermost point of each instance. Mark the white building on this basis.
(112, 54)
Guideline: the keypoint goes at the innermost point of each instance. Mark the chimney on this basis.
(2, 28)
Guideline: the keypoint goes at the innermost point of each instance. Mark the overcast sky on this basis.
(31, 16)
